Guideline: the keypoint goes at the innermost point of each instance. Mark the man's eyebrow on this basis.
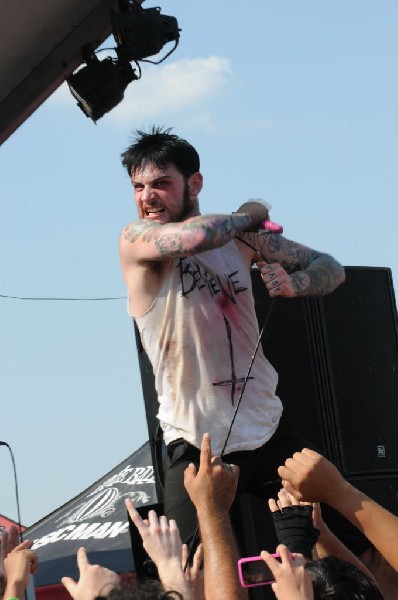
(161, 178)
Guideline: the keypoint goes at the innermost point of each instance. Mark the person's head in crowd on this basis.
(149, 589)
(333, 578)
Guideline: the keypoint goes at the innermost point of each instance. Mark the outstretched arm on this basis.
(146, 240)
(291, 269)
(330, 545)
(311, 477)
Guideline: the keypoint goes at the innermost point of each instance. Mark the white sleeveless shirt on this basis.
(200, 335)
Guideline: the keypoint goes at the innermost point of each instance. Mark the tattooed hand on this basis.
(295, 270)
(276, 280)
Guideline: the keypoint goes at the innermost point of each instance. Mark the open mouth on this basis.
(149, 212)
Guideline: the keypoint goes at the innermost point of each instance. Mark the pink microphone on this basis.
(267, 226)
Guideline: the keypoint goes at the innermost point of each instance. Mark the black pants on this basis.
(258, 473)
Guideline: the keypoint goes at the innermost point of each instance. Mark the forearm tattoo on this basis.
(189, 237)
(217, 229)
(312, 273)
(294, 256)
(321, 277)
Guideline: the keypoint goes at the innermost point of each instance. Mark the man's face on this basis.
(162, 195)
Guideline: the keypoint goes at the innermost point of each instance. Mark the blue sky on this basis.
(293, 102)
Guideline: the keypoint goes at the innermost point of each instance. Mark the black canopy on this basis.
(96, 519)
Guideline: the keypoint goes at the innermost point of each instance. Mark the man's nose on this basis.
(148, 194)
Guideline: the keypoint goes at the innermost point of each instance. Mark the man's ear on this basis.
(195, 183)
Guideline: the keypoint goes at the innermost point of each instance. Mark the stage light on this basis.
(99, 86)
(140, 32)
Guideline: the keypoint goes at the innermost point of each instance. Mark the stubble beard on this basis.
(188, 205)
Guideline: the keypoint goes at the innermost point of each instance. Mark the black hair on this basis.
(333, 578)
(161, 148)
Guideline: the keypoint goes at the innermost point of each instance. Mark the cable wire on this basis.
(192, 545)
(60, 299)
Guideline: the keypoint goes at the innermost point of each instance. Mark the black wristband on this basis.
(294, 528)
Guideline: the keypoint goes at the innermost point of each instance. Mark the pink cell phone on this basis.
(254, 571)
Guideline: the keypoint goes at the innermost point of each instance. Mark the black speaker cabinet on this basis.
(337, 359)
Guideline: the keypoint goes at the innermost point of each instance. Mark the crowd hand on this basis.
(324, 530)
(257, 209)
(294, 523)
(285, 500)
(309, 476)
(277, 281)
(94, 580)
(194, 573)
(213, 486)
(161, 540)
(19, 564)
(292, 581)
(9, 541)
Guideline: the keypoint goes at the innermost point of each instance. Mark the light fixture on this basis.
(99, 86)
(140, 32)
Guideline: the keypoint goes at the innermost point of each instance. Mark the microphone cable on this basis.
(265, 324)
(192, 545)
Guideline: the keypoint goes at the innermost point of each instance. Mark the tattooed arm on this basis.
(147, 247)
(293, 269)
(146, 240)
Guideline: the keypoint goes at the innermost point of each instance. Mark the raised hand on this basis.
(94, 580)
(194, 573)
(213, 485)
(311, 477)
(19, 564)
(292, 581)
(161, 540)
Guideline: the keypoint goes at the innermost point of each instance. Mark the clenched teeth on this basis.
(154, 210)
